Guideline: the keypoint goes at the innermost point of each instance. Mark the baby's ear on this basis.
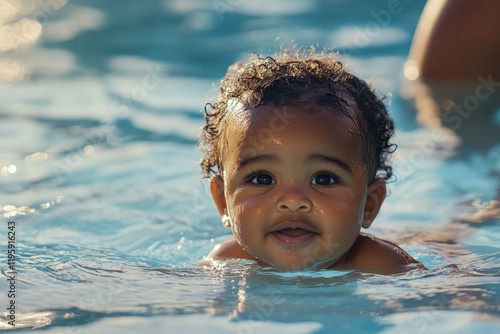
(375, 197)
(217, 190)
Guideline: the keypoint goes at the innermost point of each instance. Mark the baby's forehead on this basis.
(242, 117)
(304, 130)
(265, 122)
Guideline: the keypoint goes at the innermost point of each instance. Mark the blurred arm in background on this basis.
(453, 70)
(458, 40)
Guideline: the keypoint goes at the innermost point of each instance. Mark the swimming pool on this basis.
(100, 175)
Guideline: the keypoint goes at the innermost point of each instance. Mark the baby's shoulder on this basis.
(229, 249)
(371, 254)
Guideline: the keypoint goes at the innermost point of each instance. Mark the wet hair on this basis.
(293, 78)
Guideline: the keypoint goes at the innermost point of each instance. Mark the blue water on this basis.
(100, 120)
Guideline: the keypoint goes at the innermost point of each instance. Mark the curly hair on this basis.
(284, 80)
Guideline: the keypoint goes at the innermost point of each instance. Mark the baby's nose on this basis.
(294, 200)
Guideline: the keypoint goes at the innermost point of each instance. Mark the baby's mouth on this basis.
(294, 234)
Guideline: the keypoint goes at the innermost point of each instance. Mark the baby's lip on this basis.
(294, 233)
(294, 224)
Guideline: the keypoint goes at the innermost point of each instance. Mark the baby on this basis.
(296, 150)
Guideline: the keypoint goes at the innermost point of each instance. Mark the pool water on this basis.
(99, 172)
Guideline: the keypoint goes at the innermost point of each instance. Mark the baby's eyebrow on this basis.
(334, 160)
(313, 156)
(264, 157)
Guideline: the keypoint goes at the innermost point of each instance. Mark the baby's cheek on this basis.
(249, 205)
(243, 216)
(239, 235)
(245, 237)
(350, 208)
(337, 208)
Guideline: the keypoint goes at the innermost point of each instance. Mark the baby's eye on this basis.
(323, 179)
(262, 178)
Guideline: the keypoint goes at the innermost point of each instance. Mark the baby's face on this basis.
(295, 184)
